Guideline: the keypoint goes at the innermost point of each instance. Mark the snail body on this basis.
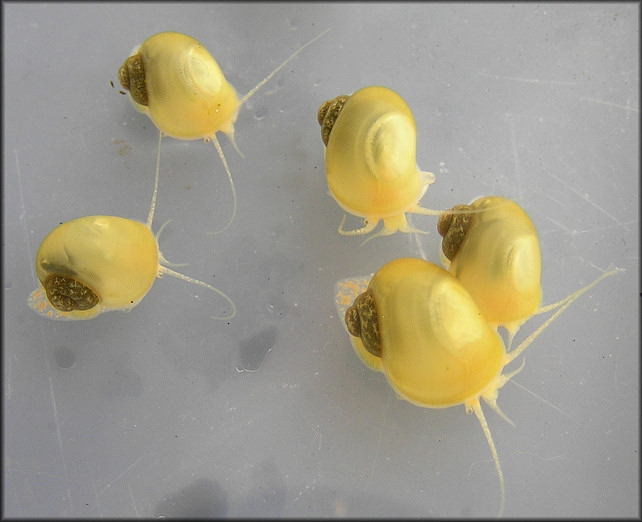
(370, 158)
(495, 254)
(173, 79)
(418, 325)
(96, 264)
(436, 348)
(114, 258)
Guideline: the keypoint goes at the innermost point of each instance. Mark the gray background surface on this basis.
(164, 411)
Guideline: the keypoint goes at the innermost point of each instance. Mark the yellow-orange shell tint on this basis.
(499, 261)
(438, 350)
(370, 157)
(188, 95)
(117, 258)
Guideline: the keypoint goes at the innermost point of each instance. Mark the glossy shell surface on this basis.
(117, 258)
(499, 261)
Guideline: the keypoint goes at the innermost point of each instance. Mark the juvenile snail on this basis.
(370, 159)
(495, 253)
(416, 323)
(173, 79)
(97, 264)
(496, 256)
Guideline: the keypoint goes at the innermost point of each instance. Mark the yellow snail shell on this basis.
(436, 348)
(495, 254)
(175, 81)
(416, 323)
(370, 160)
(95, 264)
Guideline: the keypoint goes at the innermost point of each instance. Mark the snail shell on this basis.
(370, 160)
(416, 323)
(496, 256)
(436, 348)
(94, 264)
(173, 79)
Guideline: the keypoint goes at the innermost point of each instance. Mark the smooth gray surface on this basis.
(149, 413)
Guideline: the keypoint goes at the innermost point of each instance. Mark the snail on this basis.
(495, 253)
(418, 324)
(173, 79)
(370, 159)
(496, 256)
(96, 264)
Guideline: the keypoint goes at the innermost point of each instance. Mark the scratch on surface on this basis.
(596, 229)
(133, 501)
(530, 454)
(100, 510)
(129, 468)
(23, 214)
(555, 457)
(8, 391)
(562, 227)
(513, 142)
(9, 360)
(315, 431)
(555, 200)
(626, 107)
(527, 80)
(588, 200)
(37, 473)
(377, 451)
(59, 434)
(540, 398)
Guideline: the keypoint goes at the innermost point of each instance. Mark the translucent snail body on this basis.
(173, 79)
(495, 254)
(97, 264)
(436, 348)
(113, 258)
(419, 325)
(370, 160)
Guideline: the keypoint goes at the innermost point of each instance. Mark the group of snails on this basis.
(97, 264)
(433, 332)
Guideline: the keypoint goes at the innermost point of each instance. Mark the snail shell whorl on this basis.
(438, 349)
(328, 114)
(499, 261)
(453, 228)
(68, 294)
(132, 77)
(362, 321)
